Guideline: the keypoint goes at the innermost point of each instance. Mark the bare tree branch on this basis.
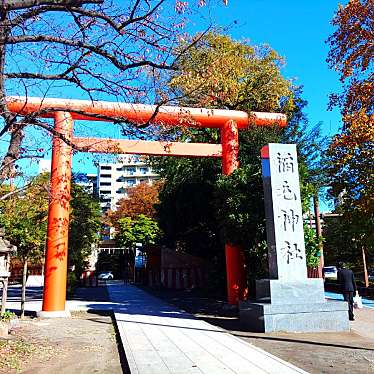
(11, 193)
(25, 75)
(96, 46)
(80, 44)
(8, 5)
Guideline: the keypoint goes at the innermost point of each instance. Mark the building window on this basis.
(143, 171)
(105, 183)
(121, 190)
(131, 182)
(105, 175)
(106, 167)
(121, 179)
(131, 171)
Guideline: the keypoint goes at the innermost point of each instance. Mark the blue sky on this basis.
(297, 30)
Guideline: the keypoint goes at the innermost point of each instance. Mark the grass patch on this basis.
(13, 353)
(16, 353)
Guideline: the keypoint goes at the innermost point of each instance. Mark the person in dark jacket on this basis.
(347, 282)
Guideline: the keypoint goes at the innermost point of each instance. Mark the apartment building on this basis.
(114, 179)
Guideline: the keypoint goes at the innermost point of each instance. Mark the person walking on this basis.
(347, 282)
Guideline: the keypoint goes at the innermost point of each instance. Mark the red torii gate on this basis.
(65, 111)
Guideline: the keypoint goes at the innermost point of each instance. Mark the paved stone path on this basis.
(367, 303)
(159, 339)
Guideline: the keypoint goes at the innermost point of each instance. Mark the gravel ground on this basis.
(85, 343)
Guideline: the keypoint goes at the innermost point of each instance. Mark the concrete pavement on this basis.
(367, 303)
(34, 300)
(316, 353)
(158, 338)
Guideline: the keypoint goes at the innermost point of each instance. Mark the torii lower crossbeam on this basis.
(145, 147)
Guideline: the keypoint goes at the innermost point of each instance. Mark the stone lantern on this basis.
(5, 251)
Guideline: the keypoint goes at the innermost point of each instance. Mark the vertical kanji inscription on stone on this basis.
(284, 223)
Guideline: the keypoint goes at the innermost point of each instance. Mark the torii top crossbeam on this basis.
(140, 113)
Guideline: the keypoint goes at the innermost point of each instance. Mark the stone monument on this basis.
(289, 300)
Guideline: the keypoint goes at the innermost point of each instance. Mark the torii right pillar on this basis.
(237, 289)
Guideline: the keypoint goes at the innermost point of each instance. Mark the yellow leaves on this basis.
(220, 72)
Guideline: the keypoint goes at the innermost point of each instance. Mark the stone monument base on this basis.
(280, 292)
(309, 317)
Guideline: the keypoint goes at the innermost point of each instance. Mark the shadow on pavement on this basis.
(282, 339)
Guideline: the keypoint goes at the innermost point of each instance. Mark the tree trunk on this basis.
(366, 278)
(23, 297)
(8, 169)
(319, 234)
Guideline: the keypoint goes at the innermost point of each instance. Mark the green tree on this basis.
(217, 72)
(338, 246)
(232, 75)
(143, 230)
(24, 218)
(186, 212)
(222, 73)
(312, 246)
(84, 226)
(125, 237)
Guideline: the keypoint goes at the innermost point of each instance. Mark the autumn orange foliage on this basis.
(141, 199)
(351, 152)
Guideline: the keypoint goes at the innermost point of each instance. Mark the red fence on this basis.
(176, 278)
(89, 279)
(314, 273)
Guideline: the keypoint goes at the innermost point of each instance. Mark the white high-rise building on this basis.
(114, 179)
(44, 166)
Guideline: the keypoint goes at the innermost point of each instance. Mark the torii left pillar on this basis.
(56, 262)
(237, 289)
